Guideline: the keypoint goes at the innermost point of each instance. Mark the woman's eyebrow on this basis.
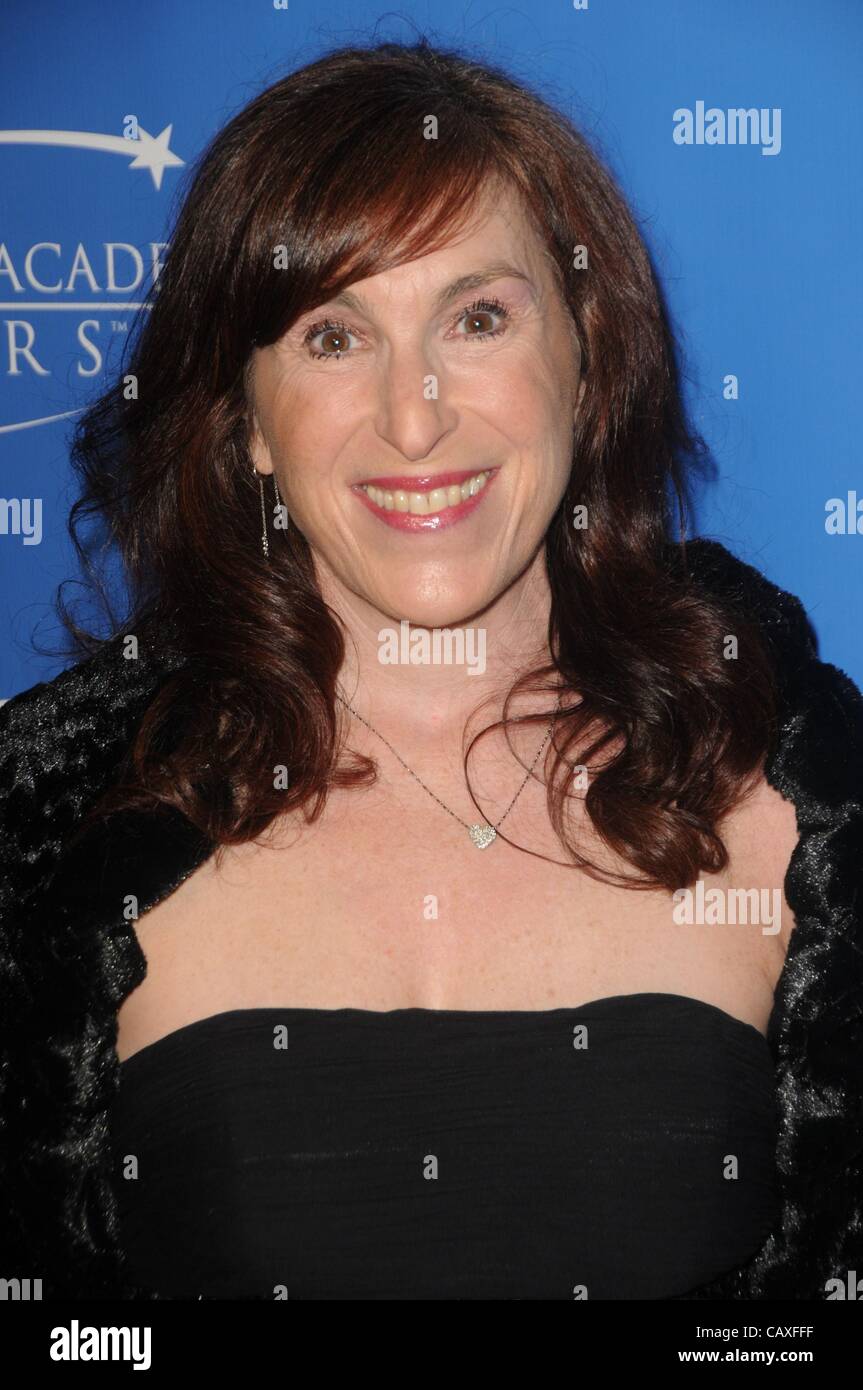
(474, 280)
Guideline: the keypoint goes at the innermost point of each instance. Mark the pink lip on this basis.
(449, 516)
(427, 484)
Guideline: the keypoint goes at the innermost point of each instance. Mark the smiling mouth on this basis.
(426, 496)
(425, 503)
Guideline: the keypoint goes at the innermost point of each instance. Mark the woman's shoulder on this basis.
(821, 706)
(60, 742)
(50, 731)
(815, 692)
(801, 825)
(50, 722)
(816, 767)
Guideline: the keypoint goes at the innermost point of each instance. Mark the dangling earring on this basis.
(265, 544)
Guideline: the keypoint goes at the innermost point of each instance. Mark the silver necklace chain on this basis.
(482, 835)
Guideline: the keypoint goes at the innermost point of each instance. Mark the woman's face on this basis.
(436, 384)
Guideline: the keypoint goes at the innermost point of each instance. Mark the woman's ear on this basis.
(258, 447)
(257, 443)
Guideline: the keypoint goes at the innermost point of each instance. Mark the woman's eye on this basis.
(478, 316)
(334, 338)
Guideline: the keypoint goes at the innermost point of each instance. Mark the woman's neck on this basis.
(417, 684)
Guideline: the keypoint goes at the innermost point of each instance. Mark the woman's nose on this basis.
(414, 411)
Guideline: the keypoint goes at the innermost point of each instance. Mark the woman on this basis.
(301, 1000)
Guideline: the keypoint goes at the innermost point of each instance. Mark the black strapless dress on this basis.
(623, 1149)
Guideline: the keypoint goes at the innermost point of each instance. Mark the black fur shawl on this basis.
(68, 958)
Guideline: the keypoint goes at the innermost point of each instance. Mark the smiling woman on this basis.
(426, 377)
(275, 1027)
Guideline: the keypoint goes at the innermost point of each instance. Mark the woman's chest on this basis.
(359, 912)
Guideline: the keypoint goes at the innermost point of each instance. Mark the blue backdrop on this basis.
(754, 231)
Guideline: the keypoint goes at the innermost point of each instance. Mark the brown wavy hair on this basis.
(330, 162)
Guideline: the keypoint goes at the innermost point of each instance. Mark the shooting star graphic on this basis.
(147, 152)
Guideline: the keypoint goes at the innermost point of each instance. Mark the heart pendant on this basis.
(482, 835)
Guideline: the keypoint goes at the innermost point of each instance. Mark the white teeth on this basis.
(426, 503)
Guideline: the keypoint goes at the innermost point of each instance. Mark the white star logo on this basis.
(148, 151)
